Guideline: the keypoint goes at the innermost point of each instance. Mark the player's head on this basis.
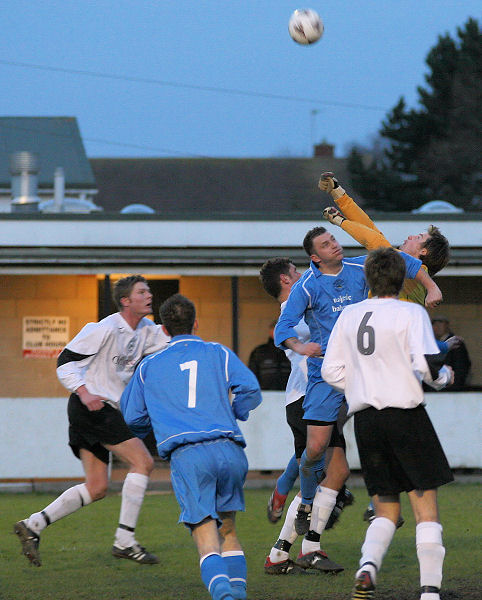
(385, 272)
(178, 315)
(133, 285)
(277, 273)
(431, 247)
(321, 246)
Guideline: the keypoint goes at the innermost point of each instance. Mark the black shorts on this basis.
(399, 451)
(92, 429)
(294, 417)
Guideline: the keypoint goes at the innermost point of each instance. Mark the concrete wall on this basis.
(33, 435)
(456, 418)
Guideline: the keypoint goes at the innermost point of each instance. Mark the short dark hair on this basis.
(123, 288)
(270, 272)
(177, 314)
(438, 251)
(385, 271)
(310, 236)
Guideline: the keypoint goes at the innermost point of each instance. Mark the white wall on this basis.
(34, 440)
(456, 418)
(34, 436)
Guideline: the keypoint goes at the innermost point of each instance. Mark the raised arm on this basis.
(351, 211)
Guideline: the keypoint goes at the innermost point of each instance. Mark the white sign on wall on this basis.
(44, 337)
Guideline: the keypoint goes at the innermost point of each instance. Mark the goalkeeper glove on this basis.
(333, 215)
(329, 184)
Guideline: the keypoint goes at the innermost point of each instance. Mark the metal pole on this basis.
(235, 312)
(107, 308)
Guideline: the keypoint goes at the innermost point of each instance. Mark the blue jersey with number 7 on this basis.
(183, 392)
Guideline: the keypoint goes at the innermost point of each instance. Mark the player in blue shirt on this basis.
(323, 291)
(184, 394)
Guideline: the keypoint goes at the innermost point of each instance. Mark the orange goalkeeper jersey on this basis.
(361, 228)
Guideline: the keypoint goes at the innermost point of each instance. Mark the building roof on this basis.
(215, 187)
(56, 141)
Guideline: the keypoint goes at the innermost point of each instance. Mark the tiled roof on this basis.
(215, 186)
(56, 141)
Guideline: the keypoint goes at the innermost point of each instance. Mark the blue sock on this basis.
(319, 469)
(287, 479)
(308, 479)
(238, 571)
(215, 577)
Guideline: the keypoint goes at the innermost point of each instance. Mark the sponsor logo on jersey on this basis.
(339, 302)
(123, 362)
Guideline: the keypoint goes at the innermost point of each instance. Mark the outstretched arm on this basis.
(354, 220)
(347, 205)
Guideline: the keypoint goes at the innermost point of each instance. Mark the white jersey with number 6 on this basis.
(376, 355)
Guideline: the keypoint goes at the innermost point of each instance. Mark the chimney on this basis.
(24, 167)
(325, 150)
(59, 189)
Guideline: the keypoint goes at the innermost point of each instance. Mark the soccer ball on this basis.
(305, 26)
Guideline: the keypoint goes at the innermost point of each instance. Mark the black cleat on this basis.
(136, 553)
(303, 518)
(364, 587)
(319, 561)
(344, 498)
(369, 515)
(30, 542)
(284, 567)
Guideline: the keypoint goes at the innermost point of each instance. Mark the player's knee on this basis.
(314, 450)
(143, 463)
(149, 464)
(97, 491)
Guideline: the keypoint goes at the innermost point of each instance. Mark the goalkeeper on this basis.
(431, 247)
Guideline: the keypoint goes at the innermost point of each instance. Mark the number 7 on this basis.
(191, 365)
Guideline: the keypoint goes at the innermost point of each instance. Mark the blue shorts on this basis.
(208, 478)
(322, 402)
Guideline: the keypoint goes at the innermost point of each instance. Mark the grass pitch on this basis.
(77, 563)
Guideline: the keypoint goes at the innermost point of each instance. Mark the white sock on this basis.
(323, 503)
(133, 492)
(431, 553)
(66, 504)
(377, 540)
(287, 532)
(309, 546)
(277, 555)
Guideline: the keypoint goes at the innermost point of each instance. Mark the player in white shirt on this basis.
(96, 365)
(379, 352)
